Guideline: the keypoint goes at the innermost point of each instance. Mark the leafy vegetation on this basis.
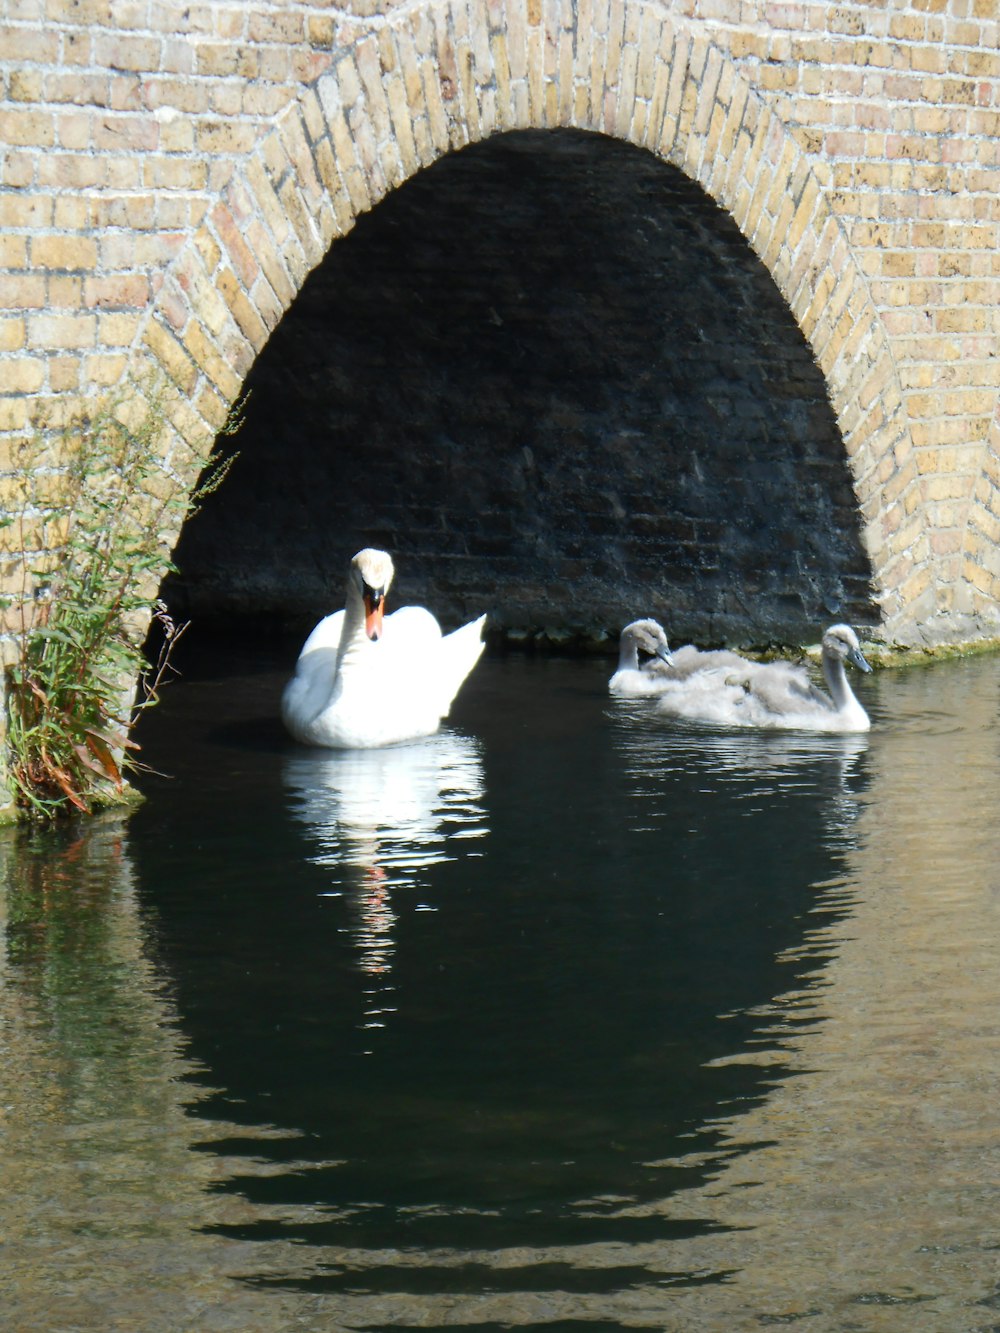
(99, 510)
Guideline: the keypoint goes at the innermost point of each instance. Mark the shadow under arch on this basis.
(437, 77)
(561, 425)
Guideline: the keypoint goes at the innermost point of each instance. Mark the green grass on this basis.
(81, 677)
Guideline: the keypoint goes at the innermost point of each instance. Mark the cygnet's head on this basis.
(371, 573)
(648, 637)
(841, 642)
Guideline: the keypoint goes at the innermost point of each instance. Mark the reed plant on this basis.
(101, 508)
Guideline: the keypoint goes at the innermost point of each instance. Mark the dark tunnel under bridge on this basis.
(549, 375)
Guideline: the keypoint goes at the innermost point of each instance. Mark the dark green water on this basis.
(567, 1017)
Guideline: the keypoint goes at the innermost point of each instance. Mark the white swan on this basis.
(776, 695)
(646, 663)
(363, 681)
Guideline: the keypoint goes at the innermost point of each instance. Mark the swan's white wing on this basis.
(783, 688)
(325, 635)
(431, 666)
(308, 692)
(305, 695)
(460, 651)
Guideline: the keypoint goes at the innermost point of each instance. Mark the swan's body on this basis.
(646, 664)
(775, 695)
(689, 660)
(365, 680)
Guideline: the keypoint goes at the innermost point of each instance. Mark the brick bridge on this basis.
(686, 307)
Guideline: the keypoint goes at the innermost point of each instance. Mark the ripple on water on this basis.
(563, 1020)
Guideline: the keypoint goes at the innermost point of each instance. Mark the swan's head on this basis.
(841, 642)
(648, 637)
(371, 573)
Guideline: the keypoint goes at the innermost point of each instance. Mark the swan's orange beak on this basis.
(374, 610)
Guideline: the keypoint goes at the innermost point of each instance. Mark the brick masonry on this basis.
(172, 173)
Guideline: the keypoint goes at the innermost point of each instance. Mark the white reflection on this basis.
(763, 764)
(386, 816)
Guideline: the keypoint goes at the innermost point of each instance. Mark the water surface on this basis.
(568, 1017)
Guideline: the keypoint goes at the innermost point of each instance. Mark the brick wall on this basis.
(171, 173)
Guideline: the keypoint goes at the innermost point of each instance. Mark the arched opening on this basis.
(551, 376)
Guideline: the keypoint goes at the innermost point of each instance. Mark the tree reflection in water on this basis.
(104, 1197)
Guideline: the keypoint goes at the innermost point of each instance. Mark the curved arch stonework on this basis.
(978, 561)
(437, 77)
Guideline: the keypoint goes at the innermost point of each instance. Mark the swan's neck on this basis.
(353, 640)
(628, 656)
(837, 682)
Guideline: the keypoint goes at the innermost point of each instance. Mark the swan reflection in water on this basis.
(380, 819)
(761, 764)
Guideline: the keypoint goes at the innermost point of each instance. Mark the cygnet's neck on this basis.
(628, 655)
(836, 681)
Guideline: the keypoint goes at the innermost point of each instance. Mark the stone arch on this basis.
(439, 76)
(980, 551)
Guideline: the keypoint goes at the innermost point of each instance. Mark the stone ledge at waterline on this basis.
(881, 654)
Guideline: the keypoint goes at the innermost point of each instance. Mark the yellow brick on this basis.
(675, 93)
(65, 331)
(12, 333)
(104, 370)
(647, 56)
(63, 252)
(402, 123)
(171, 356)
(242, 309)
(29, 129)
(13, 416)
(116, 329)
(349, 166)
(625, 93)
(212, 408)
(64, 373)
(208, 356)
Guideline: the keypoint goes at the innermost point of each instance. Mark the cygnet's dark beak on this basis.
(856, 658)
(374, 599)
(663, 653)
